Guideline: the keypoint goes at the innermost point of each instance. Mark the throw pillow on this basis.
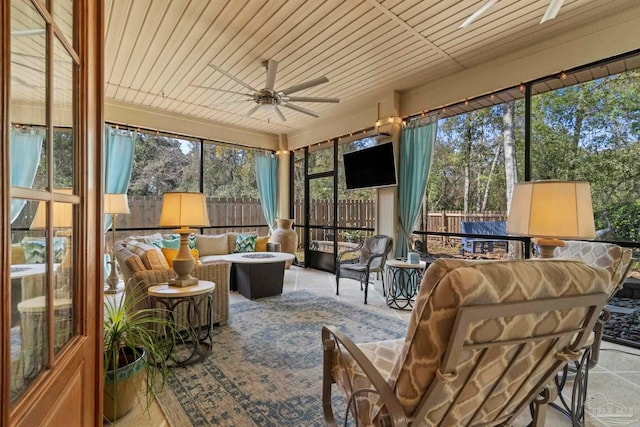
(35, 249)
(17, 254)
(172, 242)
(134, 263)
(153, 239)
(150, 255)
(170, 254)
(212, 245)
(154, 261)
(192, 240)
(245, 243)
(261, 243)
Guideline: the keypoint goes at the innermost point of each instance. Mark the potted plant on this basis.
(136, 345)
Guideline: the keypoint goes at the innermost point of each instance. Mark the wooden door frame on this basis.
(48, 399)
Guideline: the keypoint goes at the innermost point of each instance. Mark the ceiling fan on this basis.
(272, 98)
(552, 11)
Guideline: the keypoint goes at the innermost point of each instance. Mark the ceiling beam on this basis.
(422, 39)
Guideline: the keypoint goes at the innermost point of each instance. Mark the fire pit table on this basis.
(258, 274)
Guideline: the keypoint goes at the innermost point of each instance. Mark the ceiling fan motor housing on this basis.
(266, 97)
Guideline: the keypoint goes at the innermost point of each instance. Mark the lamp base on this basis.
(547, 246)
(183, 283)
(113, 280)
(183, 262)
(109, 291)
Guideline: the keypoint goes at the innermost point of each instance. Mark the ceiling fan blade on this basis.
(272, 68)
(253, 110)
(301, 110)
(305, 85)
(309, 99)
(234, 78)
(478, 12)
(279, 113)
(552, 10)
(229, 102)
(223, 90)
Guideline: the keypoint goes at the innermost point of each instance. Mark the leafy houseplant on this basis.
(134, 348)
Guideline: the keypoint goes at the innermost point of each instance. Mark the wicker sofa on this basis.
(136, 274)
(142, 263)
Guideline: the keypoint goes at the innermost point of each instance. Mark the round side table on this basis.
(192, 336)
(403, 281)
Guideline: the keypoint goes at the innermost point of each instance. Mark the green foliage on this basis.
(125, 326)
(229, 172)
(625, 221)
(590, 131)
(159, 166)
(63, 163)
(163, 164)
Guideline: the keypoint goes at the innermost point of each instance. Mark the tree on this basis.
(158, 166)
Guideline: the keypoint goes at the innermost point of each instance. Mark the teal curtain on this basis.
(26, 147)
(416, 149)
(266, 177)
(118, 161)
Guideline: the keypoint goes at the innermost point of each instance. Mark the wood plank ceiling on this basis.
(157, 51)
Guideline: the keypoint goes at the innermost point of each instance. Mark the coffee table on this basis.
(258, 274)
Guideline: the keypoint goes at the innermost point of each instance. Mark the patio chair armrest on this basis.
(372, 257)
(356, 249)
(598, 331)
(332, 337)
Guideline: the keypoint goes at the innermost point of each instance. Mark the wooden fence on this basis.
(236, 212)
(145, 212)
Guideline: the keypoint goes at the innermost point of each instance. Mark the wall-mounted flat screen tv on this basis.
(370, 167)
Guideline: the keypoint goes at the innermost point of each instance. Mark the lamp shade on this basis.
(116, 203)
(62, 213)
(184, 210)
(554, 209)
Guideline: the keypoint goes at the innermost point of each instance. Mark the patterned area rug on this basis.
(266, 364)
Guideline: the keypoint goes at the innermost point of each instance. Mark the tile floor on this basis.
(614, 384)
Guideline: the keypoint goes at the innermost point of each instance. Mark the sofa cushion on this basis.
(245, 243)
(261, 244)
(170, 254)
(231, 241)
(212, 245)
(208, 259)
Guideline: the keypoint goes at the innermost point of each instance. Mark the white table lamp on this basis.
(551, 210)
(184, 210)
